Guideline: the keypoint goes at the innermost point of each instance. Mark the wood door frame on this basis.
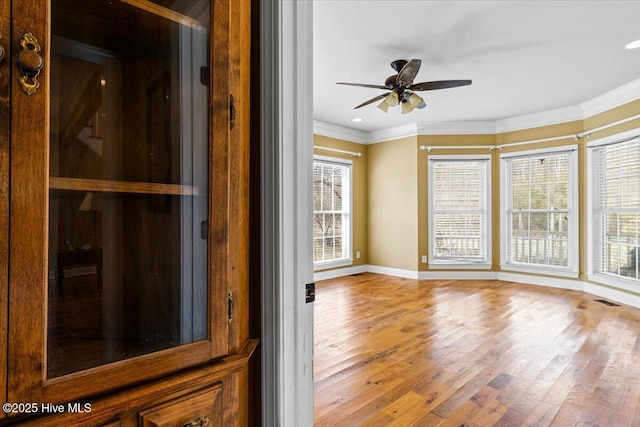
(286, 211)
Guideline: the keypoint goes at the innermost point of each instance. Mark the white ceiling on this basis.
(523, 57)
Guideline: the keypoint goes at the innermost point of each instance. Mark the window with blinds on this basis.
(616, 203)
(331, 212)
(540, 210)
(459, 190)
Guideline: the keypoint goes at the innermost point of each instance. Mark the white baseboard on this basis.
(616, 295)
(552, 282)
(339, 272)
(407, 274)
(457, 275)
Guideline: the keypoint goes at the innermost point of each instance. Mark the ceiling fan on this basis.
(402, 89)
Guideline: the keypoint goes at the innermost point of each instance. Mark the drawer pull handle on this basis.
(200, 422)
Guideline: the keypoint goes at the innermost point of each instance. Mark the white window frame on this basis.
(347, 234)
(593, 273)
(571, 270)
(459, 263)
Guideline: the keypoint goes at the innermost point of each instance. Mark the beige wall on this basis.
(390, 185)
(393, 204)
(360, 192)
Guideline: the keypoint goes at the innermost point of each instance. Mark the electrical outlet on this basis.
(358, 254)
(424, 259)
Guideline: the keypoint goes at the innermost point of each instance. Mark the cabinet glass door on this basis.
(128, 188)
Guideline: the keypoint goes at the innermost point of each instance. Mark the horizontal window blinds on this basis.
(617, 208)
(459, 209)
(331, 211)
(538, 209)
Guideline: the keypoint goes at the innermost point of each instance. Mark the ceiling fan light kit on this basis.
(402, 87)
(416, 101)
(392, 99)
(406, 108)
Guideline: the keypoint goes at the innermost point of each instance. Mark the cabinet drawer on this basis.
(201, 408)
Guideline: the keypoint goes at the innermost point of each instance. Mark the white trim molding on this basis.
(286, 221)
(543, 118)
(457, 275)
(389, 271)
(393, 133)
(618, 295)
(622, 297)
(548, 281)
(612, 99)
(607, 101)
(339, 272)
(340, 132)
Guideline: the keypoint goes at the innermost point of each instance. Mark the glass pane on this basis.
(129, 180)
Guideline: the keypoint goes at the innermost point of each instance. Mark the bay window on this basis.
(539, 203)
(616, 208)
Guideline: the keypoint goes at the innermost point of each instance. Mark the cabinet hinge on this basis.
(204, 76)
(204, 230)
(232, 112)
(310, 292)
(230, 306)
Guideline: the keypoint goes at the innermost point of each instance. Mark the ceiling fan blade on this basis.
(442, 84)
(372, 100)
(408, 72)
(363, 85)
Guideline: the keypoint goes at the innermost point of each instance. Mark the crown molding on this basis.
(443, 128)
(612, 99)
(607, 101)
(486, 127)
(393, 133)
(543, 118)
(340, 132)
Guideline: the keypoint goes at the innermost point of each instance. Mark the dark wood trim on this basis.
(29, 203)
(104, 378)
(255, 270)
(5, 72)
(82, 184)
(125, 405)
(239, 82)
(219, 182)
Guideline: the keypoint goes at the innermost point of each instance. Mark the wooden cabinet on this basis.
(124, 157)
(198, 409)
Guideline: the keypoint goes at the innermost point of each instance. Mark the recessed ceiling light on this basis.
(356, 119)
(633, 45)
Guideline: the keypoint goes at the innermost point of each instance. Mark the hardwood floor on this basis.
(401, 352)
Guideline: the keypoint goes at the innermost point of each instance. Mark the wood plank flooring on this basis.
(401, 352)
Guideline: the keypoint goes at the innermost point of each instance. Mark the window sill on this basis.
(332, 264)
(544, 270)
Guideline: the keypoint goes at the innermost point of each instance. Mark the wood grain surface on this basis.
(401, 352)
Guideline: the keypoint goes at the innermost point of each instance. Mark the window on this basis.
(331, 213)
(616, 205)
(539, 201)
(459, 229)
